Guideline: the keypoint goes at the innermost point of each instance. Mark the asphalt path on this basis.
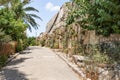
(37, 63)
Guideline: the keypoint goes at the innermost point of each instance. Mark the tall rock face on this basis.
(59, 19)
(59, 22)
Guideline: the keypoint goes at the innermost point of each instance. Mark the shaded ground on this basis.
(37, 63)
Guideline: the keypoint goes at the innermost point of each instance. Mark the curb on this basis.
(11, 58)
(74, 67)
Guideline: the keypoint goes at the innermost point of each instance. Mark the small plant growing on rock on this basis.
(3, 59)
(100, 58)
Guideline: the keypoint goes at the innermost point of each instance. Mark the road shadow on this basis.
(28, 49)
(25, 52)
(8, 73)
(12, 74)
(17, 61)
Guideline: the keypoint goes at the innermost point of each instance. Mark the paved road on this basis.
(37, 63)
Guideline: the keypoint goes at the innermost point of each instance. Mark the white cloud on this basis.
(52, 7)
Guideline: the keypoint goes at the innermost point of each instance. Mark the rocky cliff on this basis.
(59, 19)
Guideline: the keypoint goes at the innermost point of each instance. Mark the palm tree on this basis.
(2, 2)
(21, 12)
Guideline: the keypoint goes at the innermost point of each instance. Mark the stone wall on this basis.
(8, 48)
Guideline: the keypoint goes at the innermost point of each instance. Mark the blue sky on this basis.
(47, 9)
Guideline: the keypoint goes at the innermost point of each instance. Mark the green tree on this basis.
(11, 26)
(22, 12)
(4, 37)
(15, 18)
(32, 41)
(99, 15)
(3, 2)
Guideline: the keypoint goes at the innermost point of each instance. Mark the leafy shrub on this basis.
(19, 46)
(112, 49)
(4, 37)
(3, 59)
(104, 53)
(56, 45)
(42, 42)
(65, 50)
(52, 42)
(25, 43)
(32, 41)
(100, 58)
(96, 15)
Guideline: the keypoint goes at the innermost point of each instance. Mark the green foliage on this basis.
(100, 58)
(4, 37)
(11, 26)
(42, 42)
(3, 59)
(112, 49)
(65, 50)
(22, 44)
(21, 12)
(52, 41)
(25, 43)
(32, 41)
(19, 45)
(105, 53)
(99, 15)
(56, 45)
(4, 2)
(15, 19)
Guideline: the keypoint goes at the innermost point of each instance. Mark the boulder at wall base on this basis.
(8, 48)
(13, 45)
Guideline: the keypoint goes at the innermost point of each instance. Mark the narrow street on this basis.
(37, 63)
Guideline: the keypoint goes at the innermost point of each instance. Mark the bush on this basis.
(56, 45)
(32, 41)
(100, 58)
(22, 44)
(112, 49)
(65, 50)
(19, 46)
(3, 59)
(25, 43)
(42, 42)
